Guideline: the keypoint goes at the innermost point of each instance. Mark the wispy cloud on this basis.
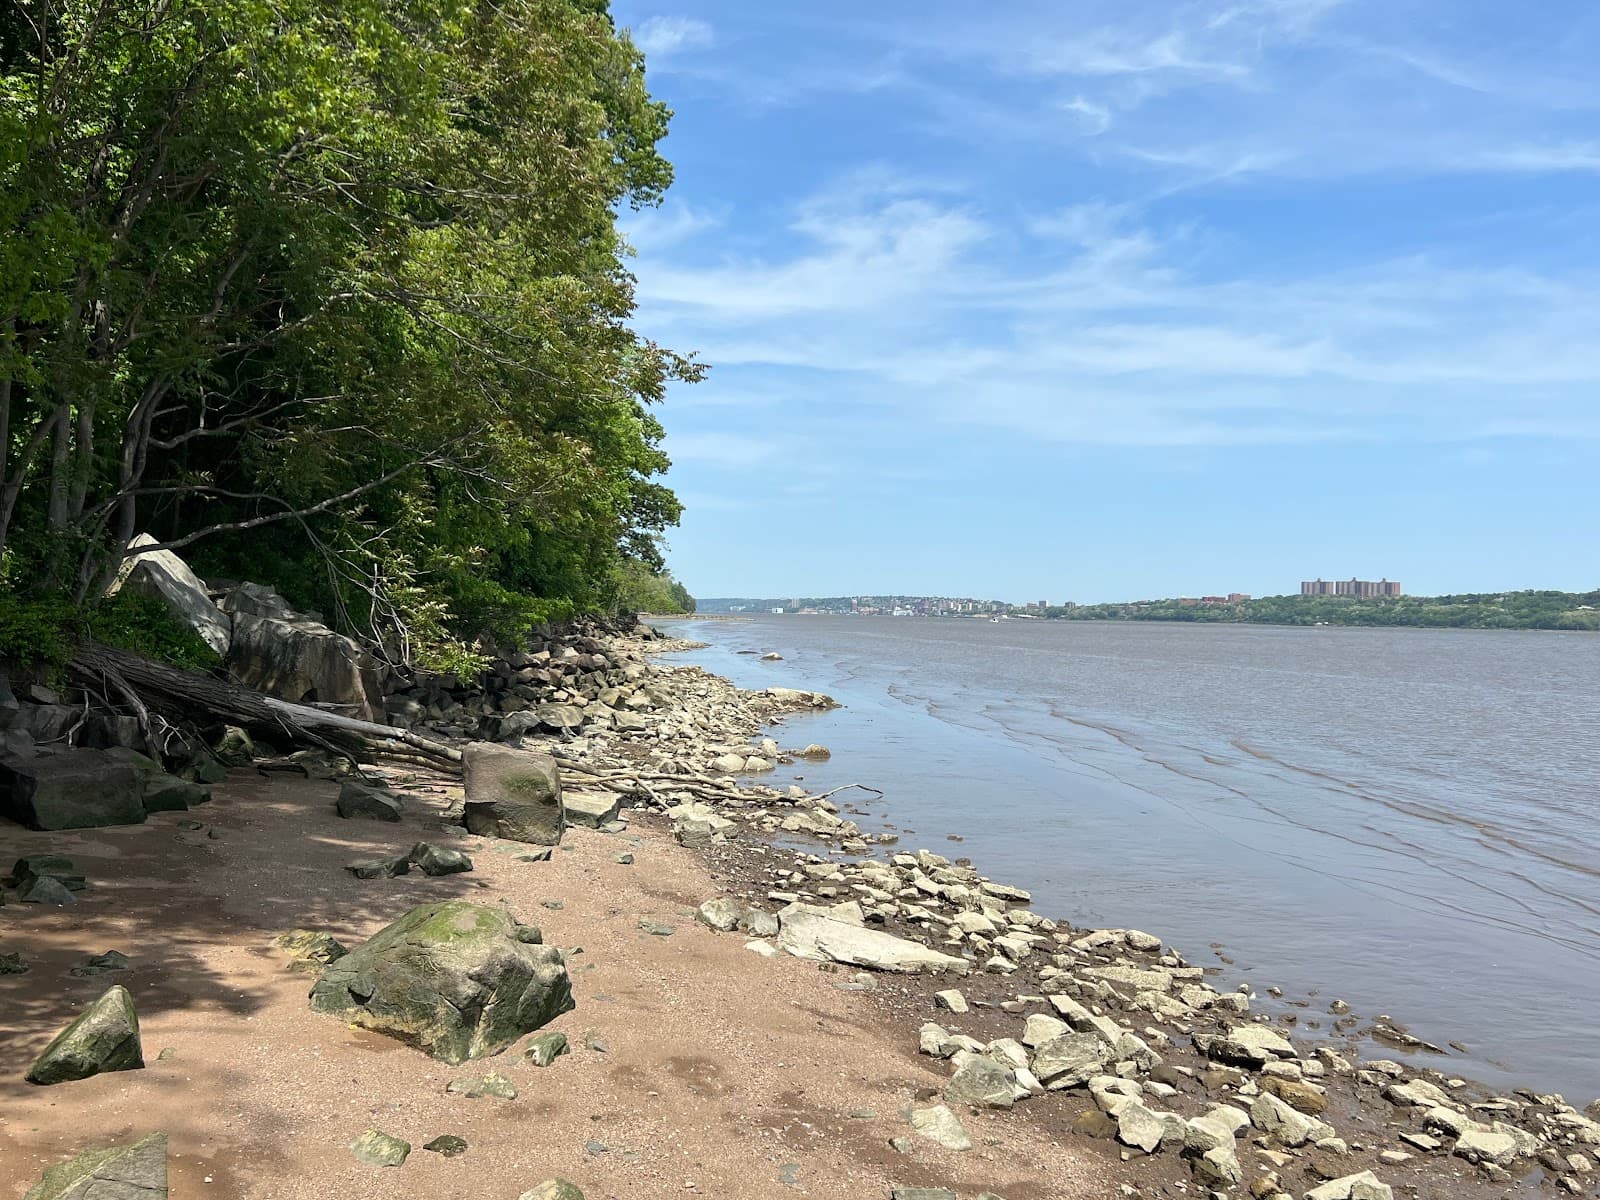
(660, 37)
(731, 451)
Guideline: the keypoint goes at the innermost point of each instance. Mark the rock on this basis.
(698, 825)
(303, 661)
(438, 860)
(922, 1193)
(545, 1048)
(70, 788)
(1285, 1125)
(311, 949)
(1498, 1144)
(381, 868)
(45, 890)
(101, 964)
(722, 913)
(378, 1149)
(513, 794)
(448, 1145)
(58, 866)
(105, 1037)
(1218, 1167)
(1072, 1059)
(1364, 1186)
(1246, 1045)
(806, 934)
(1040, 1028)
(941, 1126)
(982, 1083)
(1298, 1094)
(256, 600)
(772, 656)
(815, 753)
(1140, 1128)
(477, 1086)
(12, 964)
(365, 800)
(728, 764)
(951, 1000)
(168, 793)
(134, 1172)
(458, 980)
(553, 1189)
(656, 928)
(235, 748)
(591, 809)
(162, 575)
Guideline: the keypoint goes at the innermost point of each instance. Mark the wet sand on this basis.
(725, 1075)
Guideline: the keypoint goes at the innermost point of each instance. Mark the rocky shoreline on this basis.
(1105, 1044)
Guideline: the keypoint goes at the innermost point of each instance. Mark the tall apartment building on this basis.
(1361, 589)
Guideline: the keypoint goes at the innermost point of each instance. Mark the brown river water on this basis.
(1404, 819)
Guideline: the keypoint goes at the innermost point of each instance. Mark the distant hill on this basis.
(1488, 610)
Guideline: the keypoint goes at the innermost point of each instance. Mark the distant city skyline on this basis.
(1107, 299)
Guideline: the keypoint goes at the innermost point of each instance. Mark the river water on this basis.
(1404, 819)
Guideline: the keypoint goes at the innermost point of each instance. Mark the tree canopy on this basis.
(330, 293)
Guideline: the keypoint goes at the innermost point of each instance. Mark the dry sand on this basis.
(726, 1074)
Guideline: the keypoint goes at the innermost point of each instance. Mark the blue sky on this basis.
(1122, 298)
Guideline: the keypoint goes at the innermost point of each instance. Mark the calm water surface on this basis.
(1405, 819)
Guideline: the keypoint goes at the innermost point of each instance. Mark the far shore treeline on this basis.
(1487, 610)
(329, 294)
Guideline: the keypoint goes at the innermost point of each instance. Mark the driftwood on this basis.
(132, 674)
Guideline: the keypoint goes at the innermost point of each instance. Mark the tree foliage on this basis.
(1492, 610)
(330, 292)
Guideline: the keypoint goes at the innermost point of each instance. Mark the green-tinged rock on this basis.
(448, 1144)
(381, 868)
(105, 1037)
(922, 1193)
(437, 860)
(941, 1126)
(379, 1149)
(133, 1172)
(235, 748)
(656, 928)
(553, 1189)
(111, 960)
(513, 794)
(457, 980)
(70, 788)
(168, 793)
(310, 949)
(545, 1048)
(476, 1086)
(12, 964)
(57, 866)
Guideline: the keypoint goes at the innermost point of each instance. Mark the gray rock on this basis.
(1363, 1186)
(58, 866)
(365, 800)
(256, 600)
(311, 949)
(45, 889)
(1072, 1059)
(162, 575)
(381, 868)
(458, 980)
(12, 964)
(134, 1172)
(1140, 1128)
(592, 810)
(982, 1083)
(513, 794)
(438, 860)
(941, 1126)
(105, 1037)
(1252, 1045)
(809, 934)
(70, 789)
(922, 1193)
(656, 928)
(46, 722)
(722, 913)
(379, 1149)
(101, 964)
(553, 1189)
(543, 1049)
(559, 717)
(448, 1145)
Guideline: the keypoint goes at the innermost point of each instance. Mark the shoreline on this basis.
(732, 1025)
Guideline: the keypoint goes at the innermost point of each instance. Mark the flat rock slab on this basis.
(811, 935)
(591, 809)
(553, 1189)
(513, 794)
(134, 1172)
(457, 980)
(380, 1149)
(105, 1037)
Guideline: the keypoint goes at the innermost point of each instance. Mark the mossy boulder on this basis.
(513, 794)
(105, 1037)
(136, 1172)
(457, 980)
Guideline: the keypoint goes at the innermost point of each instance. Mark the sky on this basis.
(1112, 299)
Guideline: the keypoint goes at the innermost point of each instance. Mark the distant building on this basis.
(1361, 589)
(1238, 597)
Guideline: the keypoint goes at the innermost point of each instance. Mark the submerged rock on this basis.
(105, 1037)
(457, 980)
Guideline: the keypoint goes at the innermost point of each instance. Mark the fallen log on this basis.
(131, 673)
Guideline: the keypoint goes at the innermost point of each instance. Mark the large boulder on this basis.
(514, 794)
(301, 660)
(455, 979)
(161, 574)
(105, 1037)
(806, 933)
(69, 788)
(136, 1172)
